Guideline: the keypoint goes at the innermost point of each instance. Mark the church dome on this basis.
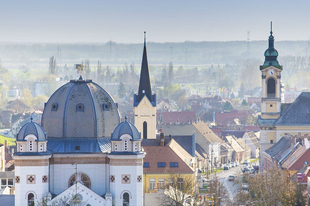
(126, 128)
(31, 128)
(80, 109)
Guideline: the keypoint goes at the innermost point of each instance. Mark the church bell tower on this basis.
(271, 82)
(145, 102)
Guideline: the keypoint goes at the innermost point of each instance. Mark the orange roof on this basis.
(170, 153)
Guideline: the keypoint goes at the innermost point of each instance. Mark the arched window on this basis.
(30, 145)
(125, 199)
(30, 199)
(80, 177)
(54, 106)
(125, 145)
(144, 130)
(80, 107)
(271, 87)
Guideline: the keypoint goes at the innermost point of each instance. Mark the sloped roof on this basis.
(183, 117)
(204, 129)
(236, 133)
(293, 157)
(298, 113)
(280, 149)
(16, 104)
(254, 139)
(243, 144)
(220, 118)
(155, 154)
(300, 162)
(234, 144)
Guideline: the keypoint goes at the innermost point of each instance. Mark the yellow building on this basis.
(278, 119)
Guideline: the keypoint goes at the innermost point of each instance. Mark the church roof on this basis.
(298, 113)
(31, 128)
(80, 109)
(145, 83)
(271, 54)
(79, 145)
(126, 128)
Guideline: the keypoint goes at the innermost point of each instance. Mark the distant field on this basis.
(10, 141)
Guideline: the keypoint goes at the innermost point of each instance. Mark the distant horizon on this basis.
(152, 42)
(173, 21)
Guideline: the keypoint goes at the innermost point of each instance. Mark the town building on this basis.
(278, 119)
(81, 152)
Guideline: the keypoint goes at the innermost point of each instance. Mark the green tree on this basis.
(121, 90)
(227, 106)
(241, 91)
(244, 103)
(26, 96)
(232, 96)
(38, 102)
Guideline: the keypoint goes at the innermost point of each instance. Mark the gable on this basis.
(87, 196)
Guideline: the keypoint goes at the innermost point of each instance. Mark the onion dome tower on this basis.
(31, 164)
(126, 165)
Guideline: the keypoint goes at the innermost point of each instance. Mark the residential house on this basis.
(205, 137)
(279, 150)
(239, 152)
(164, 159)
(226, 153)
(247, 149)
(253, 142)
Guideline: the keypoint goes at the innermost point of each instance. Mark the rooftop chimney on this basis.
(6, 143)
(162, 139)
(193, 145)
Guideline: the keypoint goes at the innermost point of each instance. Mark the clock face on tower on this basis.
(271, 72)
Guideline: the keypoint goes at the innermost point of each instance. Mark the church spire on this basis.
(145, 83)
(271, 54)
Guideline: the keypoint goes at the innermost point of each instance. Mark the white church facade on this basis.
(81, 154)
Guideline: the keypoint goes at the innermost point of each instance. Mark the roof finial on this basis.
(271, 28)
(126, 118)
(144, 38)
(31, 118)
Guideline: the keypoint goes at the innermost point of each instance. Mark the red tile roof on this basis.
(167, 154)
(220, 118)
(300, 162)
(183, 117)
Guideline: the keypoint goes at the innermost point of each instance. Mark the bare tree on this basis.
(272, 187)
(179, 189)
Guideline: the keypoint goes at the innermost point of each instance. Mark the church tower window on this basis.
(271, 87)
(125, 145)
(30, 145)
(144, 130)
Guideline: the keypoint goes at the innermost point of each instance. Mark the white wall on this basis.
(21, 189)
(135, 188)
(61, 173)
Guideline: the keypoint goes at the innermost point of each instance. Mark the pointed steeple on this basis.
(145, 83)
(271, 54)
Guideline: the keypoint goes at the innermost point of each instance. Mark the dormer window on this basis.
(80, 107)
(105, 107)
(54, 106)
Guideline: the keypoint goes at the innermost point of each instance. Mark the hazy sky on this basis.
(164, 20)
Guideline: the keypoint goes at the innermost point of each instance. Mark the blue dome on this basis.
(80, 109)
(31, 128)
(126, 128)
